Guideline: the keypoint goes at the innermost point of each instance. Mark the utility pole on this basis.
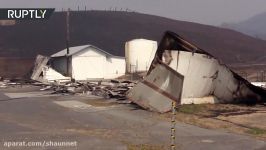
(67, 41)
(262, 76)
(173, 123)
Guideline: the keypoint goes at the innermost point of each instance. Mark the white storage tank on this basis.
(139, 54)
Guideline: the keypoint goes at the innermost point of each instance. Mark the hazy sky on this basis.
(213, 12)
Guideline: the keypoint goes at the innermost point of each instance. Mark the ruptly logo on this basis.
(25, 13)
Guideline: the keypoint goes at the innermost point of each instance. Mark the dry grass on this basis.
(146, 147)
(248, 120)
(100, 102)
(256, 131)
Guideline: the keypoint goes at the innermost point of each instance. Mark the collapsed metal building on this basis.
(183, 72)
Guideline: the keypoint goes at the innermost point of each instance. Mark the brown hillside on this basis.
(110, 30)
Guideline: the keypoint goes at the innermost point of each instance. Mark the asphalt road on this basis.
(38, 117)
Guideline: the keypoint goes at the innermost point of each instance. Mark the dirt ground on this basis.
(241, 119)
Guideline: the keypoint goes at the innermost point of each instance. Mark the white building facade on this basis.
(88, 62)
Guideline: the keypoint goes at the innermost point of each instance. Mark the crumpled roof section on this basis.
(206, 79)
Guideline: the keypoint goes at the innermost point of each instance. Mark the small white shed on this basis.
(88, 62)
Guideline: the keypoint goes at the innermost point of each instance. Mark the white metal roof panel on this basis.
(72, 50)
(76, 49)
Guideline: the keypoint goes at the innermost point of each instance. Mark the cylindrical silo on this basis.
(139, 54)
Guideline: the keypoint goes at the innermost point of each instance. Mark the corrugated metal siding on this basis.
(157, 91)
(205, 77)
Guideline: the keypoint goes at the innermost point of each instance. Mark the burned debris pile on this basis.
(112, 89)
(106, 89)
(7, 82)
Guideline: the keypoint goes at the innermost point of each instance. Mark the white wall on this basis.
(115, 67)
(88, 65)
(204, 77)
(139, 54)
(50, 75)
(91, 64)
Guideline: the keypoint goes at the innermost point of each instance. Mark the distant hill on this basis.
(110, 30)
(254, 26)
